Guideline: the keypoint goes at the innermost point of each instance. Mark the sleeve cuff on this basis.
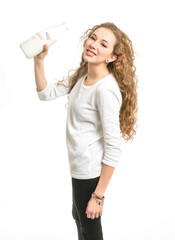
(44, 90)
(111, 164)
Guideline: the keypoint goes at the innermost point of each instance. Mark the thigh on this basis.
(81, 193)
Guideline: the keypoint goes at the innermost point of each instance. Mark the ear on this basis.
(113, 58)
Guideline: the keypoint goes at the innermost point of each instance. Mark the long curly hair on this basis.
(123, 70)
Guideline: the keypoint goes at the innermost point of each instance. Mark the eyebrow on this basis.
(102, 39)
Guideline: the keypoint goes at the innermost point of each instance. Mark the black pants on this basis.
(88, 228)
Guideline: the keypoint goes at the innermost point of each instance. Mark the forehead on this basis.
(106, 34)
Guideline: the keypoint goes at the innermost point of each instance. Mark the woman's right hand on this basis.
(40, 57)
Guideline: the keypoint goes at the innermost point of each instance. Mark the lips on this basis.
(91, 51)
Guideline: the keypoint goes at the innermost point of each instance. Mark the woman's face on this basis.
(99, 46)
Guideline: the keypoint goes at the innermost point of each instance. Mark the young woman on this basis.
(102, 108)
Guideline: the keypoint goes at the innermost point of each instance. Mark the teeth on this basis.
(90, 52)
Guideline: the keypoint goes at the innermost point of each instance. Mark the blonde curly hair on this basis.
(123, 70)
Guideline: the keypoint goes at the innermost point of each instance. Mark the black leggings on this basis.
(88, 228)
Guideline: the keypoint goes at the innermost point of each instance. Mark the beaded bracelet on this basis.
(99, 201)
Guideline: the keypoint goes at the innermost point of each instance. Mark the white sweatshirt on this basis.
(92, 128)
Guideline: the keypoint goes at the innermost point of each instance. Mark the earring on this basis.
(107, 60)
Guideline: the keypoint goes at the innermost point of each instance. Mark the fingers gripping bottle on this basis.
(34, 45)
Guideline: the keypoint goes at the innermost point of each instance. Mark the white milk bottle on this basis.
(34, 45)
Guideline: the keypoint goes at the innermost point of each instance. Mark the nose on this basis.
(93, 45)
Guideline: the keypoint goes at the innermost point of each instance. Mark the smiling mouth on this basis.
(90, 52)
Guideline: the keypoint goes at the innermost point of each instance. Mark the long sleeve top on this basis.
(92, 126)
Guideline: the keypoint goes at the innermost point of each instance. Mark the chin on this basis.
(85, 59)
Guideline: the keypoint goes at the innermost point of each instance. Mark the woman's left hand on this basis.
(93, 210)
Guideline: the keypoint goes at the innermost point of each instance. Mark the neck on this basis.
(96, 71)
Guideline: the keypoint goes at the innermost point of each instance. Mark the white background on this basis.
(35, 183)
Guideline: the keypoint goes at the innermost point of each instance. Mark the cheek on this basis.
(88, 42)
(85, 45)
(103, 52)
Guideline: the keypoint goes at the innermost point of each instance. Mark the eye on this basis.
(101, 44)
(92, 37)
(104, 45)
